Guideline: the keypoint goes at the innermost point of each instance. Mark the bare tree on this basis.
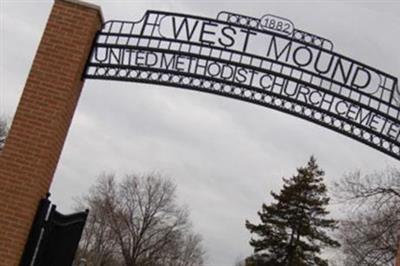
(370, 234)
(137, 222)
(97, 245)
(3, 131)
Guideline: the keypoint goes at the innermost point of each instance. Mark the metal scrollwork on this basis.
(265, 61)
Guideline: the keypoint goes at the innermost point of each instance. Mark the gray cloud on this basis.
(225, 155)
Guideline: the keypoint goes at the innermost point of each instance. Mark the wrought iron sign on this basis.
(266, 61)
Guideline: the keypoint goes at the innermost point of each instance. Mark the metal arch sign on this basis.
(266, 61)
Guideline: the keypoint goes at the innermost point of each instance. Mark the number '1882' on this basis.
(275, 23)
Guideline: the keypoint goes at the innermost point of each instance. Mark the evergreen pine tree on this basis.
(292, 231)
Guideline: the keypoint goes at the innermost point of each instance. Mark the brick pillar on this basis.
(42, 120)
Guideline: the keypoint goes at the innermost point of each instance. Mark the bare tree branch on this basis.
(142, 223)
(4, 126)
(370, 235)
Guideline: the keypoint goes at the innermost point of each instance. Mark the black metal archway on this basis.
(266, 61)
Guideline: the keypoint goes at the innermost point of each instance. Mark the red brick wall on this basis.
(42, 120)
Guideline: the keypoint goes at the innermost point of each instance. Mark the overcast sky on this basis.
(225, 155)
